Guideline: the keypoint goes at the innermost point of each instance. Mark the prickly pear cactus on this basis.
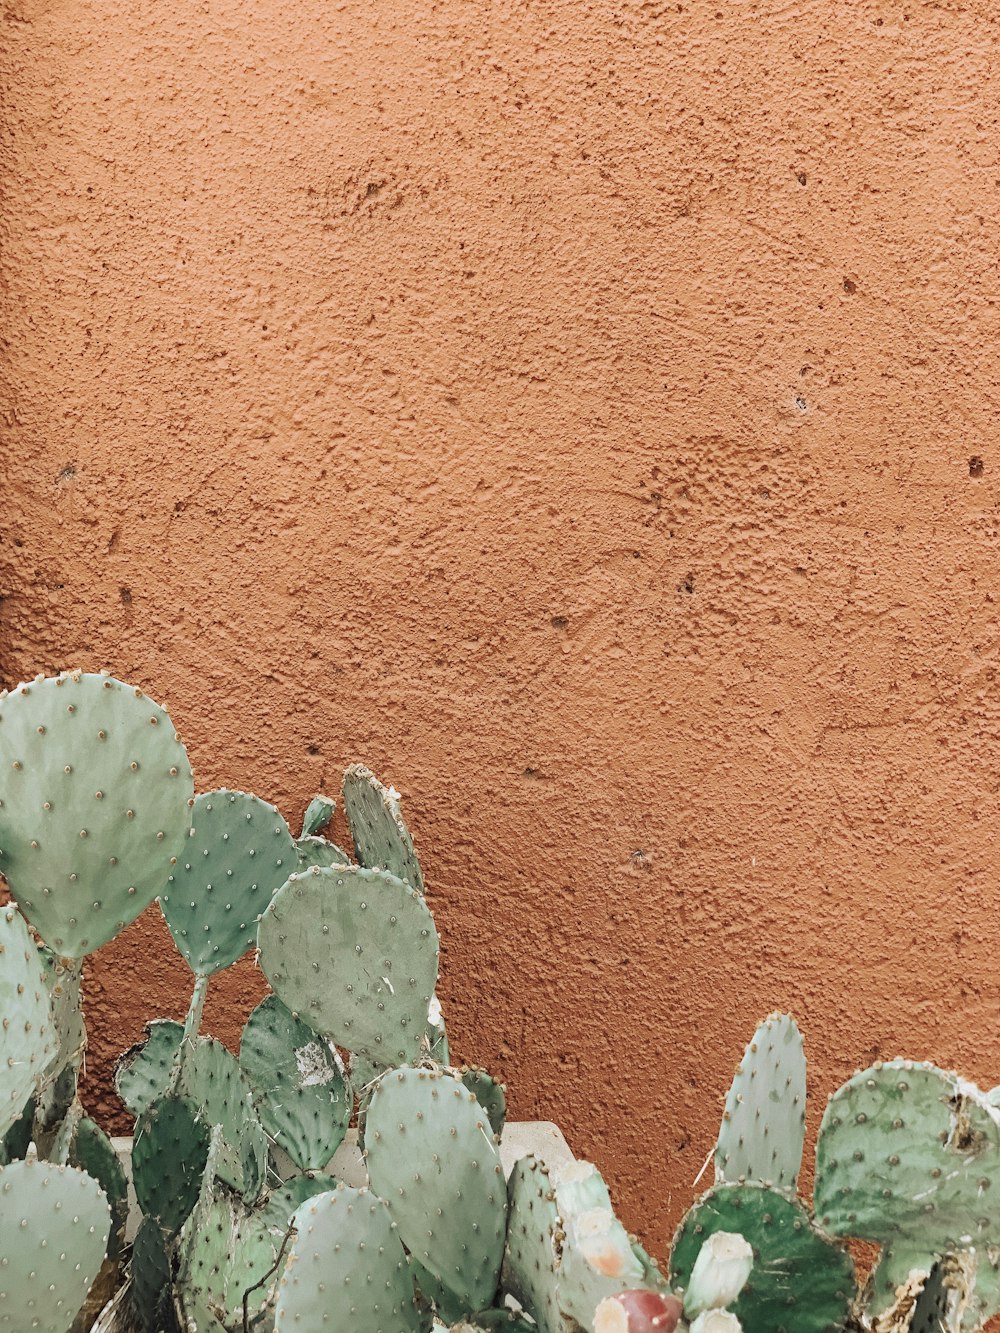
(348, 1236)
(763, 1126)
(381, 839)
(169, 1154)
(800, 1282)
(432, 1156)
(240, 850)
(54, 1221)
(319, 852)
(211, 1079)
(490, 1094)
(28, 1041)
(319, 812)
(151, 1295)
(95, 803)
(143, 1071)
(534, 1244)
(355, 952)
(299, 1087)
(92, 1151)
(58, 1084)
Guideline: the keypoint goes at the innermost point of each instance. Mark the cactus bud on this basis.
(719, 1274)
(716, 1321)
(637, 1312)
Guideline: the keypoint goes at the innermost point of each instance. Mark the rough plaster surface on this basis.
(567, 408)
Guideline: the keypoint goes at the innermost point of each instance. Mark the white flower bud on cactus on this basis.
(637, 1312)
(719, 1274)
(716, 1321)
(603, 1242)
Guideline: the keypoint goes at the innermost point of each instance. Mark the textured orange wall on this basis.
(567, 408)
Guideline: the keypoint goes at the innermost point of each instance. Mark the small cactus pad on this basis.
(319, 852)
(381, 839)
(763, 1126)
(299, 1087)
(211, 1078)
(318, 814)
(143, 1071)
(150, 1292)
(488, 1093)
(92, 1151)
(432, 1156)
(54, 1221)
(96, 795)
(355, 952)
(28, 1041)
(533, 1252)
(347, 1240)
(169, 1154)
(909, 1156)
(800, 1281)
(239, 852)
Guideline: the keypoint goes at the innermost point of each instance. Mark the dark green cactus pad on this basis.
(92, 1151)
(533, 1250)
(95, 805)
(169, 1155)
(452, 1218)
(347, 1236)
(318, 814)
(319, 852)
(434, 1295)
(54, 1221)
(211, 1077)
(28, 1038)
(800, 1282)
(763, 1126)
(909, 1156)
(281, 1205)
(143, 1071)
(488, 1093)
(151, 1295)
(15, 1143)
(381, 839)
(239, 852)
(355, 952)
(299, 1087)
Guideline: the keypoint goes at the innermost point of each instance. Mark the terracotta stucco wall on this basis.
(569, 408)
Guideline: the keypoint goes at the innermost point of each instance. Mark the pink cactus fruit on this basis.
(637, 1312)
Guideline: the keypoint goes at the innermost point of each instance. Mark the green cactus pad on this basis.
(239, 852)
(319, 812)
(92, 1151)
(211, 1078)
(909, 1156)
(169, 1154)
(224, 1252)
(533, 1250)
(451, 1218)
(282, 1204)
(319, 852)
(763, 1126)
(800, 1281)
(95, 805)
(15, 1143)
(299, 1087)
(54, 1221)
(151, 1294)
(58, 1085)
(488, 1093)
(28, 1040)
(347, 1236)
(381, 839)
(355, 953)
(143, 1071)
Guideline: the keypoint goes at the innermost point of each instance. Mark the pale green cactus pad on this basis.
(239, 852)
(169, 1154)
(143, 1071)
(211, 1078)
(800, 1282)
(319, 852)
(29, 1041)
(348, 1238)
(490, 1094)
(381, 839)
(533, 1250)
(299, 1087)
(355, 952)
(909, 1156)
(432, 1156)
(59, 1082)
(763, 1126)
(95, 804)
(54, 1221)
(319, 812)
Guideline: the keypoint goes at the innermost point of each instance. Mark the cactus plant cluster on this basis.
(241, 1228)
